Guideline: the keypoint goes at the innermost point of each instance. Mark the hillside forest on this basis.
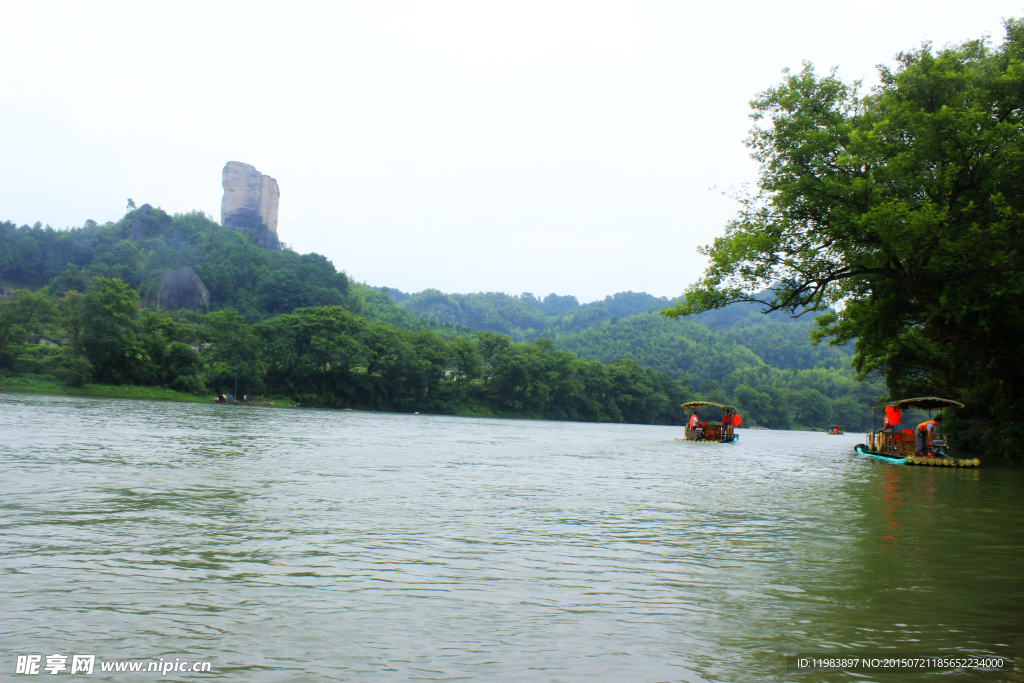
(289, 325)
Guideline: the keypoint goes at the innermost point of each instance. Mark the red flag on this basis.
(736, 419)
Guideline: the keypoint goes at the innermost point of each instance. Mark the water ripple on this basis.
(317, 545)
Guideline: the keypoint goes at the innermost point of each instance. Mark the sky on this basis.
(579, 148)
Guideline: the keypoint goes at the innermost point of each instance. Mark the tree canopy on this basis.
(897, 214)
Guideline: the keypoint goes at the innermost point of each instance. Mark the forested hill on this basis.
(724, 354)
(765, 365)
(626, 325)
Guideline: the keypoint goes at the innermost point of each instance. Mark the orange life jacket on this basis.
(924, 426)
(892, 416)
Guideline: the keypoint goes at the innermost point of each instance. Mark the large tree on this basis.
(109, 332)
(897, 215)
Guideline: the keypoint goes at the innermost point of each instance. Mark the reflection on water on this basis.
(304, 545)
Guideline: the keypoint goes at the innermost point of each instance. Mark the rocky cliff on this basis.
(250, 203)
(148, 223)
(183, 289)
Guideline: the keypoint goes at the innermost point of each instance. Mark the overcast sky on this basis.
(567, 147)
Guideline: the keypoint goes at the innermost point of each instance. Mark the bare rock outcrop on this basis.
(183, 289)
(250, 203)
(148, 222)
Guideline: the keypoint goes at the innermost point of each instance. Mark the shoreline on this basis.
(34, 384)
(27, 385)
(51, 387)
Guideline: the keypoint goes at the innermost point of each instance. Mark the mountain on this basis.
(721, 355)
(764, 364)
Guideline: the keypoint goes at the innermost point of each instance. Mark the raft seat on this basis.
(899, 443)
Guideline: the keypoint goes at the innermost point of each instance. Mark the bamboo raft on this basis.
(863, 450)
(694, 439)
(897, 447)
(713, 432)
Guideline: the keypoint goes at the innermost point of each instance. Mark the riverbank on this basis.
(50, 387)
(35, 384)
(39, 385)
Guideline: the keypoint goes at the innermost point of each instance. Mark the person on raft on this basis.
(694, 421)
(726, 423)
(924, 430)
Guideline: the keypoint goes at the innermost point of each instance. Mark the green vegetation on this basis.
(32, 384)
(278, 323)
(143, 246)
(523, 317)
(765, 365)
(347, 344)
(902, 209)
(327, 356)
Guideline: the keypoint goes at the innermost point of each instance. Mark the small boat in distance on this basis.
(897, 445)
(712, 431)
(835, 429)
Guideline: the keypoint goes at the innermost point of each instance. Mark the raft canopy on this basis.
(923, 402)
(698, 404)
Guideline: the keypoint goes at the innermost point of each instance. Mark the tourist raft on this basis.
(895, 445)
(711, 431)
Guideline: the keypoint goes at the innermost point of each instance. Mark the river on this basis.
(314, 545)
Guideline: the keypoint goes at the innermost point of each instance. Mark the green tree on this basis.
(76, 372)
(73, 278)
(21, 320)
(182, 368)
(465, 361)
(310, 353)
(334, 336)
(589, 394)
(903, 209)
(811, 408)
(70, 307)
(434, 358)
(109, 339)
(392, 379)
(632, 389)
(234, 361)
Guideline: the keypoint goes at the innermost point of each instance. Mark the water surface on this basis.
(306, 545)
